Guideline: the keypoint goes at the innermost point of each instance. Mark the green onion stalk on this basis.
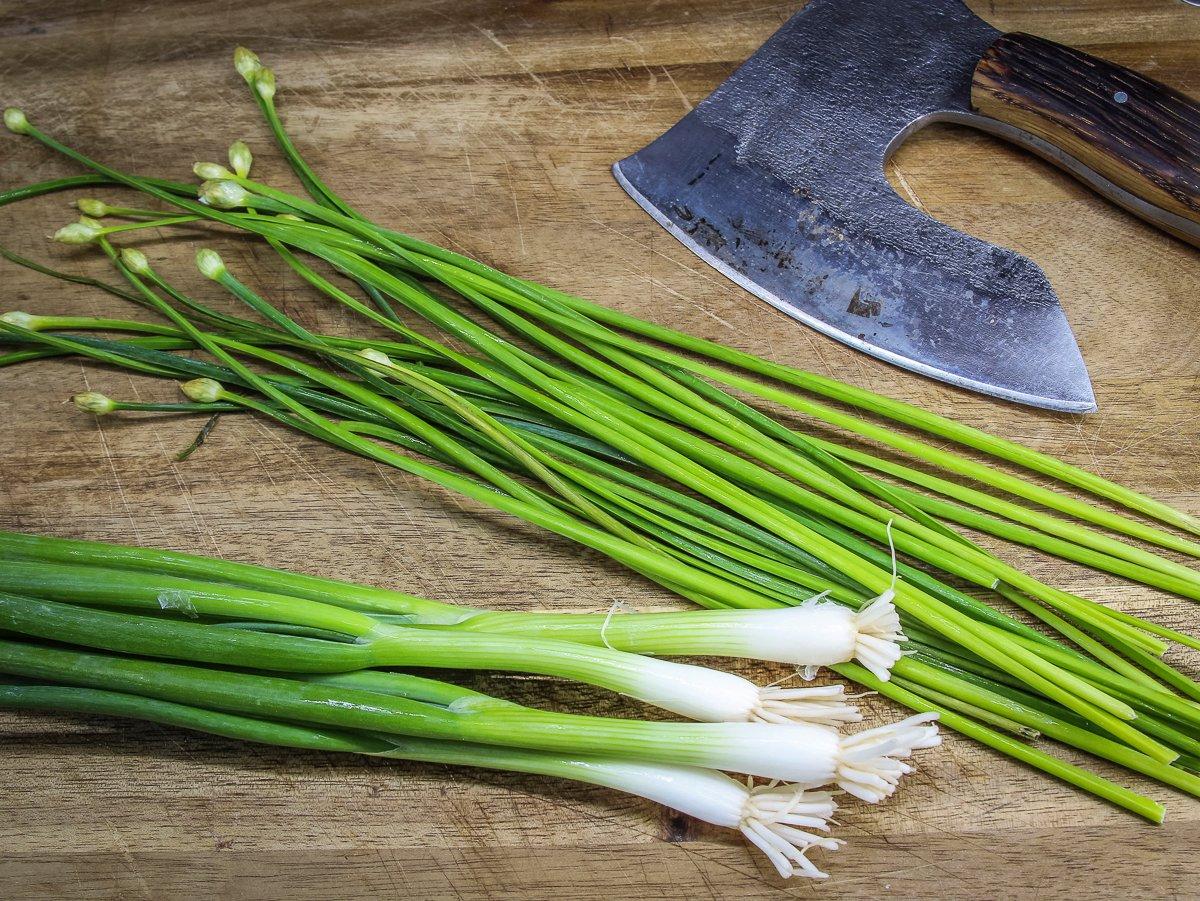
(696, 692)
(813, 634)
(784, 821)
(868, 765)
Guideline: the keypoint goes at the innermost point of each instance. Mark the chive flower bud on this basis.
(135, 261)
(290, 217)
(375, 356)
(15, 121)
(223, 194)
(240, 158)
(211, 170)
(89, 206)
(203, 391)
(94, 402)
(24, 320)
(85, 231)
(246, 62)
(209, 263)
(264, 83)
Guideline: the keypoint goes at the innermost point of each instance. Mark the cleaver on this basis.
(777, 180)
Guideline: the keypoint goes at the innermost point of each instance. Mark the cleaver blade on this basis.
(777, 181)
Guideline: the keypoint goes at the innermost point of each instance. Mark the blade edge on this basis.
(1060, 405)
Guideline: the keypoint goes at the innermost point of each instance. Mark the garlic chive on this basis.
(94, 402)
(223, 194)
(375, 356)
(204, 391)
(210, 264)
(246, 62)
(211, 171)
(15, 121)
(240, 159)
(89, 206)
(264, 83)
(135, 260)
(85, 231)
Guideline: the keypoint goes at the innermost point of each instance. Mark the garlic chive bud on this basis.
(246, 62)
(85, 231)
(223, 194)
(240, 158)
(89, 206)
(135, 261)
(203, 391)
(264, 83)
(211, 170)
(375, 356)
(24, 320)
(209, 263)
(15, 121)
(94, 402)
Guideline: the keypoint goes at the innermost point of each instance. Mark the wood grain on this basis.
(490, 127)
(1138, 133)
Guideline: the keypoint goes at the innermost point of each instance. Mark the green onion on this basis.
(696, 692)
(813, 634)
(865, 764)
(781, 820)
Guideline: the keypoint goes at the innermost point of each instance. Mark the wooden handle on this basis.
(1139, 135)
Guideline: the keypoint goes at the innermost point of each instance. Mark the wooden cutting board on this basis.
(490, 128)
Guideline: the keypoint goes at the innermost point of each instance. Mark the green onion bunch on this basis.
(277, 657)
(655, 448)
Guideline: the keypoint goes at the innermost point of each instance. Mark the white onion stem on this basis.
(816, 633)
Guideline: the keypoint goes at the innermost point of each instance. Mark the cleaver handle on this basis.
(1093, 117)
